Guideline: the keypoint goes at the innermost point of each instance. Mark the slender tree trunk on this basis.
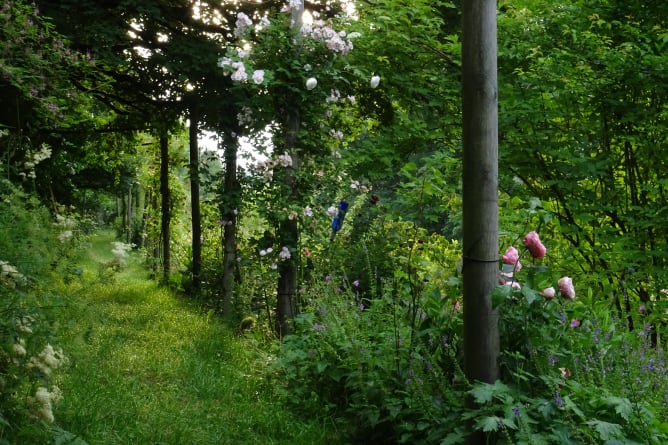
(129, 226)
(480, 192)
(232, 199)
(194, 200)
(165, 203)
(288, 230)
(140, 209)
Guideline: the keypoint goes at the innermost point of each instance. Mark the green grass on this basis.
(149, 367)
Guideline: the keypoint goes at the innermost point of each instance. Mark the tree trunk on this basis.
(129, 226)
(165, 203)
(288, 230)
(232, 198)
(194, 200)
(480, 192)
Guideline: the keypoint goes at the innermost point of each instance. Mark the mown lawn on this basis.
(149, 367)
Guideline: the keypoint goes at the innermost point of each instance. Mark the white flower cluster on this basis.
(245, 116)
(48, 360)
(285, 160)
(267, 167)
(335, 41)
(120, 252)
(284, 254)
(242, 23)
(10, 277)
(264, 252)
(336, 134)
(24, 324)
(358, 185)
(32, 159)
(19, 348)
(237, 70)
(66, 224)
(37, 157)
(292, 5)
(43, 402)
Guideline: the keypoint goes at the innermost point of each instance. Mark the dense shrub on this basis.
(32, 248)
(389, 370)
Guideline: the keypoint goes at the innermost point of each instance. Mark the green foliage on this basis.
(581, 108)
(573, 371)
(36, 252)
(386, 367)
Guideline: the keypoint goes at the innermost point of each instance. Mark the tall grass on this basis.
(149, 367)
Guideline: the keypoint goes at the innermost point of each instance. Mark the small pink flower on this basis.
(456, 305)
(307, 252)
(642, 308)
(512, 257)
(511, 283)
(328, 278)
(575, 323)
(536, 248)
(356, 283)
(566, 287)
(549, 293)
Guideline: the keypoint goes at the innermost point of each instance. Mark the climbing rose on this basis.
(536, 248)
(566, 287)
(512, 257)
(258, 76)
(243, 22)
(311, 83)
(549, 293)
(375, 81)
(511, 282)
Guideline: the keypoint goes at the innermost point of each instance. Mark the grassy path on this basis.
(148, 367)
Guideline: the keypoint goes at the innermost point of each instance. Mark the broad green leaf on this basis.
(485, 392)
(454, 438)
(606, 430)
(622, 405)
(489, 424)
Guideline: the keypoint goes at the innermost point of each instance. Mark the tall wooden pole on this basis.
(480, 190)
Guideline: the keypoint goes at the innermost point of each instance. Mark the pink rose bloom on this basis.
(536, 248)
(549, 293)
(566, 287)
(512, 257)
(511, 283)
